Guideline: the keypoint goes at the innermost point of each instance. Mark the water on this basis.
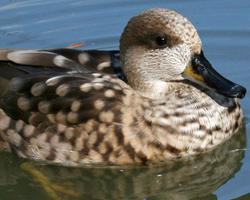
(221, 174)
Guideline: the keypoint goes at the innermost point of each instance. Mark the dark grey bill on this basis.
(214, 80)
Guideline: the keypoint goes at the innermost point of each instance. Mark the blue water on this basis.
(224, 27)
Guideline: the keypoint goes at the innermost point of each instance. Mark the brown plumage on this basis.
(71, 107)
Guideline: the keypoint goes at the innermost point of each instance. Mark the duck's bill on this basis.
(201, 71)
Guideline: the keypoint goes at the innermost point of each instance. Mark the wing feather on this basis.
(75, 97)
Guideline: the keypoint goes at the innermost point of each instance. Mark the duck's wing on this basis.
(68, 98)
(95, 60)
(57, 79)
(36, 61)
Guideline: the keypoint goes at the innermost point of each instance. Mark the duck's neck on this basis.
(153, 89)
(146, 82)
(147, 87)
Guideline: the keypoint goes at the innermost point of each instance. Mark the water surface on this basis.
(224, 28)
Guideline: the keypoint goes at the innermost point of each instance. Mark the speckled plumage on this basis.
(58, 108)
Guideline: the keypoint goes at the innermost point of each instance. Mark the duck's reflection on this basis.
(195, 177)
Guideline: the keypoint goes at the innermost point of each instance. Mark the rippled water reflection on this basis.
(224, 28)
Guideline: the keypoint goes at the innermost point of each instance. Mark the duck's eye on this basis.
(161, 41)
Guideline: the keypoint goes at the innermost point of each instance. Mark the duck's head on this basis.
(160, 46)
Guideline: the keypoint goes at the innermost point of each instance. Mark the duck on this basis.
(156, 99)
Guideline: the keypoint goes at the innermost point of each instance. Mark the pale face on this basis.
(159, 46)
(160, 43)
(165, 64)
